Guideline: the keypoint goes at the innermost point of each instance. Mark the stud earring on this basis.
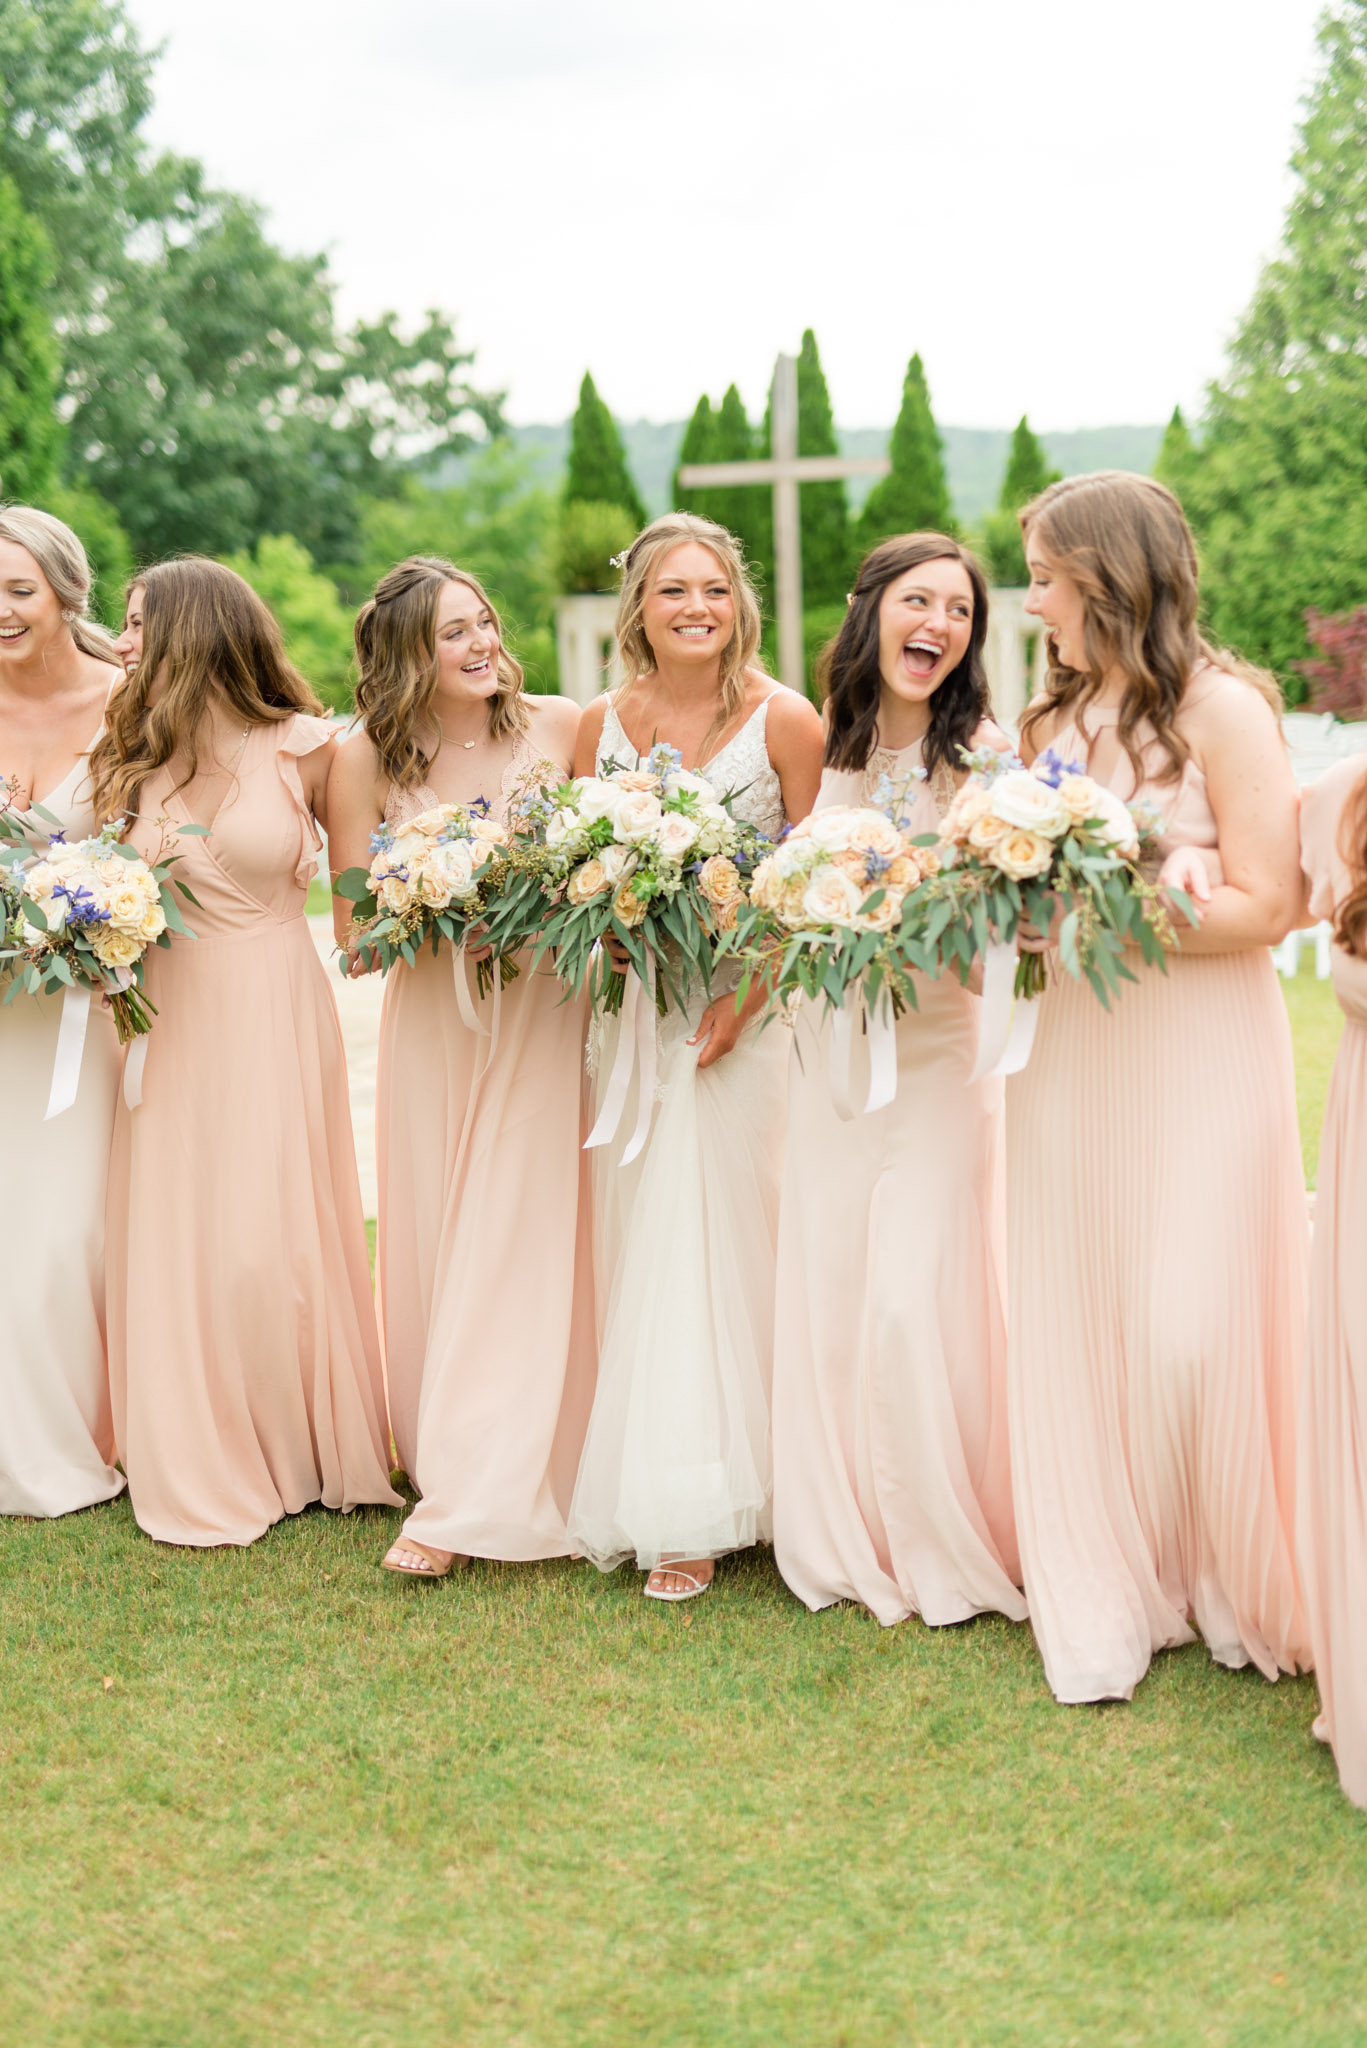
(68, 615)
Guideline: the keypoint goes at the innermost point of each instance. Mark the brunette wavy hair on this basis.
(741, 652)
(1124, 542)
(848, 668)
(205, 635)
(396, 654)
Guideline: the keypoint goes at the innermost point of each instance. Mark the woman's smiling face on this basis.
(925, 624)
(30, 609)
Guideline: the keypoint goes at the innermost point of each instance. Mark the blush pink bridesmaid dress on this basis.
(244, 1357)
(1332, 1506)
(892, 1482)
(484, 1257)
(1158, 1250)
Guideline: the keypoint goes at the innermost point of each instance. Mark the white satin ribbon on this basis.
(1006, 1028)
(636, 1053)
(132, 1070)
(881, 1027)
(66, 1067)
(469, 1015)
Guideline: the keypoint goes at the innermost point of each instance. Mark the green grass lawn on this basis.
(276, 1796)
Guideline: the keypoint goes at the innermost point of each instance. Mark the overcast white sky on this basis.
(1063, 205)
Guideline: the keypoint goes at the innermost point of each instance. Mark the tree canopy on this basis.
(914, 496)
(598, 472)
(1275, 490)
(825, 510)
(1027, 473)
(29, 361)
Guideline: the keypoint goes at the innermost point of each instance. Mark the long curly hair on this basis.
(741, 651)
(396, 654)
(1124, 542)
(206, 636)
(848, 668)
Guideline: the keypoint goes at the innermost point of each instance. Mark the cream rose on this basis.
(885, 915)
(984, 832)
(588, 881)
(560, 826)
(1117, 826)
(126, 903)
(628, 908)
(793, 903)
(832, 898)
(618, 862)
(724, 916)
(1021, 799)
(675, 835)
(489, 832)
(1022, 854)
(719, 880)
(597, 799)
(873, 833)
(428, 824)
(637, 815)
(963, 814)
(395, 894)
(637, 778)
(115, 948)
(153, 924)
(831, 831)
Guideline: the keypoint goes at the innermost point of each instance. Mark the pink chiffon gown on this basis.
(1332, 1508)
(56, 1427)
(892, 1482)
(1158, 1249)
(484, 1254)
(244, 1356)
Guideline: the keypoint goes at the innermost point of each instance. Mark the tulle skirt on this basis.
(677, 1461)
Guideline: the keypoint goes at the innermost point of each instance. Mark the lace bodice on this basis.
(922, 803)
(526, 766)
(741, 769)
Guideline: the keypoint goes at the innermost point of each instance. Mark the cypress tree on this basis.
(747, 510)
(825, 512)
(1027, 474)
(29, 362)
(598, 473)
(914, 496)
(698, 445)
(1177, 457)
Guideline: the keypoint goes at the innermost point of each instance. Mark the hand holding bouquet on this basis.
(825, 909)
(432, 878)
(82, 915)
(1043, 847)
(648, 857)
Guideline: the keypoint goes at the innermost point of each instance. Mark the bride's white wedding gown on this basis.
(677, 1460)
(56, 1432)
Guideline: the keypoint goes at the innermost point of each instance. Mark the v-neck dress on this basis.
(1158, 1247)
(56, 1430)
(892, 1477)
(244, 1356)
(485, 1260)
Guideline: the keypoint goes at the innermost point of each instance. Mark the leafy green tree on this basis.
(212, 396)
(1276, 490)
(590, 538)
(914, 496)
(746, 510)
(315, 622)
(698, 445)
(1177, 455)
(29, 362)
(825, 512)
(1027, 474)
(598, 473)
(96, 526)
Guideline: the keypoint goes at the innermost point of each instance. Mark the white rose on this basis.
(617, 862)
(638, 814)
(1021, 799)
(675, 835)
(561, 826)
(716, 829)
(697, 785)
(832, 898)
(830, 830)
(1117, 827)
(598, 799)
(871, 832)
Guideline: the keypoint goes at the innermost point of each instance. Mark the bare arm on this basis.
(555, 729)
(796, 744)
(1236, 742)
(356, 794)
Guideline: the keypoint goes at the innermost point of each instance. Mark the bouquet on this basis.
(1042, 844)
(81, 915)
(825, 909)
(432, 878)
(648, 855)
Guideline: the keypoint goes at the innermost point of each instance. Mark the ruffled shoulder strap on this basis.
(294, 738)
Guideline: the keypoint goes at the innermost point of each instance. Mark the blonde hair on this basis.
(66, 567)
(206, 634)
(1124, 542)
(396, 653)
(648, 549)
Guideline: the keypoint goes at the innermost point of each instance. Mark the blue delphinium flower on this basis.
(663, 760)
(1051, 767)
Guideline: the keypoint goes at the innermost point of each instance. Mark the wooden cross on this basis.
(785, 470)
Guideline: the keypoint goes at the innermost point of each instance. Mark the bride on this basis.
(676, 1467)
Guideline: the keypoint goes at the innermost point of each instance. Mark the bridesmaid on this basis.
(1156, 1205)
(485, 1269)
(892, 1482)
(243, 1351)
(677, 1466)
(1332, 1499)
(57, 670)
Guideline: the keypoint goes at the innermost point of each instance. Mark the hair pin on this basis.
(619, 561)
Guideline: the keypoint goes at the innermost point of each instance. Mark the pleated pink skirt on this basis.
(1333, 1470)
(1158, 1251)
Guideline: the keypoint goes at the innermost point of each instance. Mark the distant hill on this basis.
(974, 456)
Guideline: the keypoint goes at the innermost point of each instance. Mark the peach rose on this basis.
(588, 881)
(1022, 854)
(1026, 801)
(719, 880)
(986, 831)
(636, 778)
(873, 833)
(832, 898)
(628, 909)
(395, 894)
